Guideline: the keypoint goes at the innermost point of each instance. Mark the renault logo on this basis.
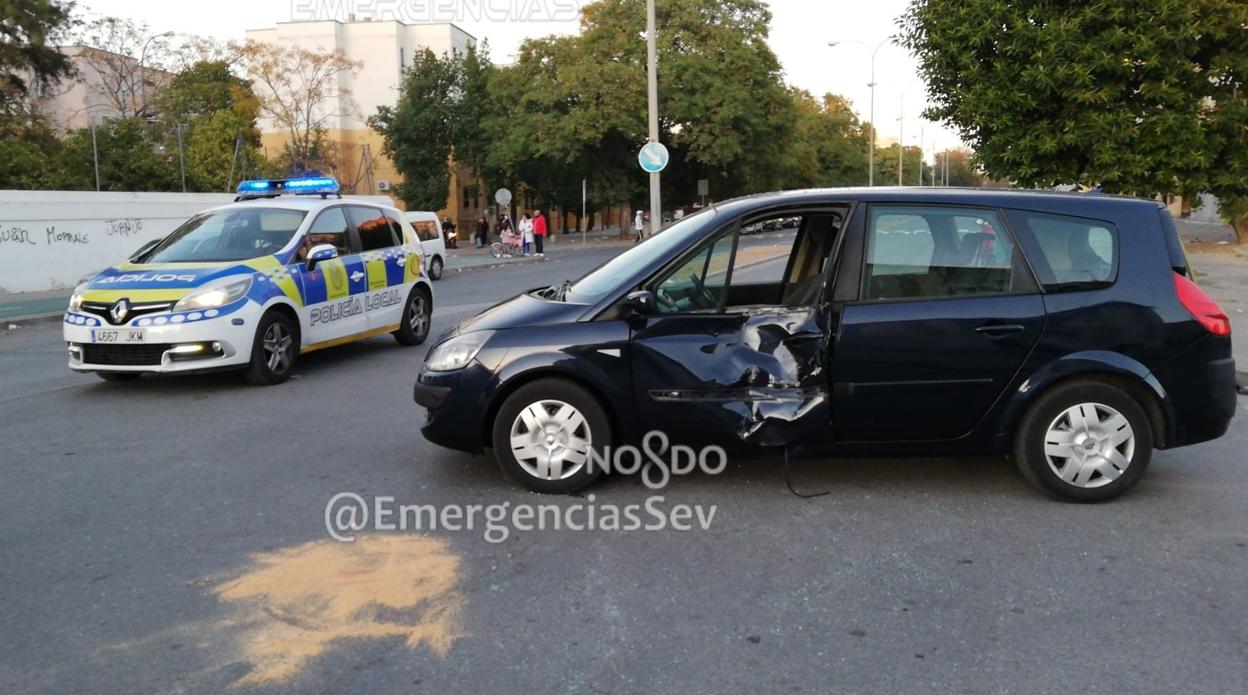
(120, 310)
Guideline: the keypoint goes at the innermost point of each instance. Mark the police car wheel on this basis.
(274, 350)
(417, 318)
(435, 268)
(543, 433)
(118, 376)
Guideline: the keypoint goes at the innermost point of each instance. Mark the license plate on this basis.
(118, 336)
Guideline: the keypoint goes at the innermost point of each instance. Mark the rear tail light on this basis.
(1201, 307)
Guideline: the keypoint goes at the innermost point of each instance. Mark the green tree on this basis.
(1135, 96)
(129, 160)
(418, 132)
(962, 170)
(29, 60)
(212, 108)
(886, 165)
(828, 146)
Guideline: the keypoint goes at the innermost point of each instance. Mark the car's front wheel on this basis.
(543, 435)
(274, 350)
(1084, 442)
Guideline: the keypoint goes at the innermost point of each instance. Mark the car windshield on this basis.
(608, 277)
(235, 234)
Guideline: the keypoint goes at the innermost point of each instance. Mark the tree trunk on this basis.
(1241, 230)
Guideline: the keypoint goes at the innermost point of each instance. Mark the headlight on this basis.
(215, 296)
(75, 299)
(457, 352)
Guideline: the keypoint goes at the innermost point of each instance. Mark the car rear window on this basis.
(1068, 253)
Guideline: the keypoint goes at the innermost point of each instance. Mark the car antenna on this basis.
(788, 480)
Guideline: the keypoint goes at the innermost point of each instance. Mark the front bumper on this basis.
(225, 343)
(457, 405)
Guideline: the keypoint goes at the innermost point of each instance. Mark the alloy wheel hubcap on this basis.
(1089, 445)
(551, 440)
(418, 319)
(277, 344)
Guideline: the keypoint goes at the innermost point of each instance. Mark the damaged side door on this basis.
(735, 351)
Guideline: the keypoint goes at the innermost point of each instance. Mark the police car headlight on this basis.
(75, 301)
(457, 352)
(212, 297)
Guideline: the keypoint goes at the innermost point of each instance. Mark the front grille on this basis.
(124, 355)
(136, 310)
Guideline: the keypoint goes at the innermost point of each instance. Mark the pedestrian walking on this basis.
(639, 226)
(526, 233)
(539, 231)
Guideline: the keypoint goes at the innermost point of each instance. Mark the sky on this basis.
(801, 31)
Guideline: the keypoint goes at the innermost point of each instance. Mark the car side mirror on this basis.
(144, 249)
(640, 303)
(321, 253)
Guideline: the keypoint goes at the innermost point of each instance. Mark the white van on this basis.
(429, 231)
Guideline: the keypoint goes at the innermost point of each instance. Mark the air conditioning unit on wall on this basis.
(383, 185)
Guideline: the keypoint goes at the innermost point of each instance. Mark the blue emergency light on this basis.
(321, 185)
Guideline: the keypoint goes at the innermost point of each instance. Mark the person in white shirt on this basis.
(526, 232)
(639, 225)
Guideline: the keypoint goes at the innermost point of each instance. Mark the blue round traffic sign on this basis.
(654, 157)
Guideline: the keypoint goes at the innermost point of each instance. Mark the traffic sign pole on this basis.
(652, 54)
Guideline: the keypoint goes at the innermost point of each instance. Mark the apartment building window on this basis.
(402, 57)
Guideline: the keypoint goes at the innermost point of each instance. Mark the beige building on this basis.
(384, 48)
(104, 86)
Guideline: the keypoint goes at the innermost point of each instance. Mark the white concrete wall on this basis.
(50, 239)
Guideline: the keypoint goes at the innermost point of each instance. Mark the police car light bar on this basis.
(323, 186)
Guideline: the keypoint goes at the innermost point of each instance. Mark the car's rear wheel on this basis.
(417, 318)
(119, 376)
(435, 268)
(543, 434)
(1084, 442)
(274, 350)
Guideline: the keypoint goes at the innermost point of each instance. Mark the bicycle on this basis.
(507, 247)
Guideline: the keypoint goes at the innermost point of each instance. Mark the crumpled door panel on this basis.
(757, 375)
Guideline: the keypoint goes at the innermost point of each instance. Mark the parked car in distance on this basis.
(1064, 330)
(429, 230)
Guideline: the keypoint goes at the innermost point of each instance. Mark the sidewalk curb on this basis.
(23, 321)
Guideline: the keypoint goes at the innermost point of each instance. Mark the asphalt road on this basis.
(168, 536)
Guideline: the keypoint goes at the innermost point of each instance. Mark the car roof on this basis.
(304, 203)
(1041, 201)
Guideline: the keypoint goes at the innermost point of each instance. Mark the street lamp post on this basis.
(142, 67)
(652, 77)
(871, 84)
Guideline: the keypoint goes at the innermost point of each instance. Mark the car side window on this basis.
(698, 284)
(919, 252)
(397, 227)
(425, 230)
(329, 227)
(373, 228)
(1068, 253)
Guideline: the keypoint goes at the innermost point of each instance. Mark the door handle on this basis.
(999, 329)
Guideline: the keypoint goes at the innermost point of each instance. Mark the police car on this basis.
(288, 268)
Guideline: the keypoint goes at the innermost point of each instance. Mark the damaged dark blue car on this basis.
(1064, 330)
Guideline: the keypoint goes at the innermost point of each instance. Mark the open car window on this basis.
(771, 260)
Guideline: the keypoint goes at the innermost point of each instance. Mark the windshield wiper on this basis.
(562, 294)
